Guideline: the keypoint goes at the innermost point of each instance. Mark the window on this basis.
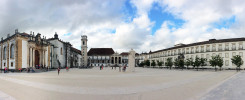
(220, 54)
(202, 48)
(240, 46)
(214, 47)
(61, 51)
(226, 62)
(187, 51)
(227, 46)
(207, 56)
(220, 47)
(197, 49)
(4, 53)
(192, 50)
(213, 54)
(226, 55)
(183, 51)
(83, 43)
(233, 53)
(208, 48)
(233, 46)
(241, 54)
(12, 51)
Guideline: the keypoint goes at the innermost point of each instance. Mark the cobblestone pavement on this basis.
(232, 89)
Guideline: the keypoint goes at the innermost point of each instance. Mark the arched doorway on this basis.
(37, 57)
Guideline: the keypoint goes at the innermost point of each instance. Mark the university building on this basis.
(226, 48)
(22, 50)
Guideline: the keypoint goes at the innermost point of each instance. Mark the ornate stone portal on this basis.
(131, 61)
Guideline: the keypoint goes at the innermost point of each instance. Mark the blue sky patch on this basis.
(67, 34)
(225, 22)
(129, 11)
(158, 15)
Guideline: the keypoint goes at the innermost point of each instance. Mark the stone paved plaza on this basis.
(108, 84)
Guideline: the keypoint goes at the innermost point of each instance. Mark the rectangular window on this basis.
(202, 48)
(226, 55)
(207, 56)
(233, 53)
(12, 64)
(192, 50)
(202, 55)
(241, 54)
(226, 62)
(214, 48)
(220, 54)
(240, 46)
(187, 51)
(226, 46)
(220, 47)
(233, 46)
(197, 49)
(213, 54)
(208, 48)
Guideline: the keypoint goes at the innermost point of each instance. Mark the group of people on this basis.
(58, 69)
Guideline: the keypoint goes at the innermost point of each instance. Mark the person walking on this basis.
(58, 70)
(67, 69)
(124, 68)
(5, 70)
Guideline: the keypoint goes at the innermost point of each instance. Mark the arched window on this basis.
(12, 51)
(4, 53)
(61, 51)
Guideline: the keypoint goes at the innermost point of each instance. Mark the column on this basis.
(114, 62)
(121, 61)
(44, 59)
(33, 57)
(30, 57)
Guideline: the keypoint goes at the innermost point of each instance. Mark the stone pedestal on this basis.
(131, 61)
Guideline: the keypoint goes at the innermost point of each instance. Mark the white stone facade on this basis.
(226, 48)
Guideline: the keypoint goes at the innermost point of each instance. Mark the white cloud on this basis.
(98, 19)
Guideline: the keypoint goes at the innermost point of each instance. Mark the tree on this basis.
(237, 60)
(216, 61)
(159, 63)
(203, 62)
(213, 62)
(188, 62)
(220, 62)
(153, 63)
(169, 63)
(147, 62)
(197, 62)
(176, 62)
(142, 64)
(181, 63)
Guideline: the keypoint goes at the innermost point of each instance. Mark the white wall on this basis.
(60, 57)
(24, 54)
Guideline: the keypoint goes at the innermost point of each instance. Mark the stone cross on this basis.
(131, 61)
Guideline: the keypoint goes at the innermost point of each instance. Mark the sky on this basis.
(142, 25)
